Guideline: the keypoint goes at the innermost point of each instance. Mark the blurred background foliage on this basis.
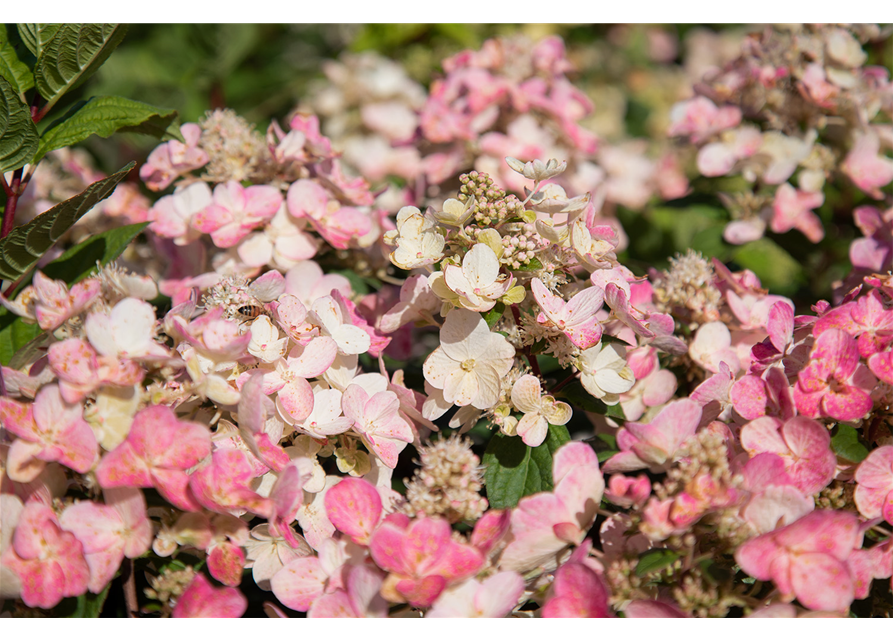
(264, 71)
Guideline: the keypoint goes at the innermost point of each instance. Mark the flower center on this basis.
(468, 365)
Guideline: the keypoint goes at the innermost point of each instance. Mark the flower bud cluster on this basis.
(449, 482)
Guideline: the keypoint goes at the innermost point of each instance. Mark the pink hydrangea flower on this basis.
(201, 600)
(874, 488)
(157, 452)
(48, 561)
(422, 557)
(875, 251)
(109, 532)
(803, 444)
(867, 319)
(493, 597)
(577, 592)
(807, 559)
(700, 119)
(81, 370)
(655, 445)
(359, 598)
(47, 430)
(171, 215)
(834, 383)
(51, 302)
(576, 317)
(546, 523)
(235, 211)
(354, 507)
(220, 484)
(172, 159)
(793, 209)
(866, 166)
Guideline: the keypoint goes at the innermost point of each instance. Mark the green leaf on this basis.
(80, 260)
(32, 350)
(847, 444)
(103, 116)
(37, 35)
(15, 333)
(493, 315)
(714, 573)
(655, 560)
(577, 396)
(18, 135)
(533, 264)
(14, 70)
(357, 283)
(683, 224)
(775, 267)
(72, 55)
(88, 605)
(605, 445)
(514, 470)
(21, 249)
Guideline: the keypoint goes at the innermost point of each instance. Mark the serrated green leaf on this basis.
(18, 135)
(103, 116)
(514, 470)
(21, 249)
(493, 315)
(72, 55)
(846, 443)
(37, 35)
(14, 70)
(655, 560)
(80, 260)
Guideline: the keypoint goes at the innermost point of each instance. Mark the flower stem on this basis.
(9, 213)
(562, 384)
(534, 365)
(129, 588)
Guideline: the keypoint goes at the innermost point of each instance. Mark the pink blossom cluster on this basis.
(797, 103)
(709, 448)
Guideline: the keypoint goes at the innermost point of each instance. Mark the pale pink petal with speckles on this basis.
(354, 507)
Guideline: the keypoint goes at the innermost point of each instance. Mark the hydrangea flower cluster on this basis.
(250, 404)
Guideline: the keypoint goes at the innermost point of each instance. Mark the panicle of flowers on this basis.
(234, 149)
(687, 290)
(448, 483)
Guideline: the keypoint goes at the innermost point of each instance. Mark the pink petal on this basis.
(354, 507)
(201, 600)
(299, 583)
(226, 562)
(821, 582)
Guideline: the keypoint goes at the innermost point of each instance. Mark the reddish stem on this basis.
(564, 382)
(9, 214)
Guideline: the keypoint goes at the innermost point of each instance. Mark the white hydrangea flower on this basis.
(537, 169)
(605, 373)
(265, 342)
(539, 411)
(455, 212)
(470, 361)
(478, 282)
(326, 314)
(418, 242)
